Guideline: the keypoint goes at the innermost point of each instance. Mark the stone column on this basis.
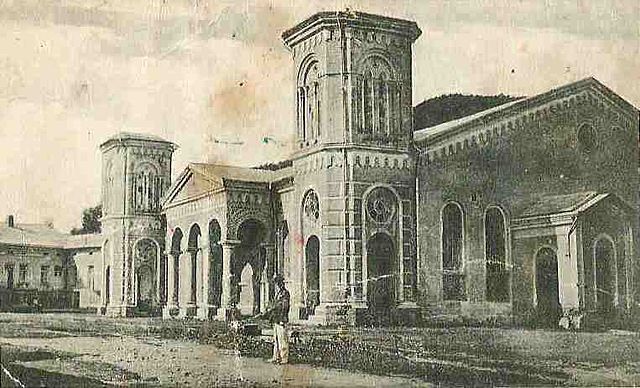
(184, 285)
(225, 312)
(267, 276)
(171, 300)
(567, 269)
(203, 279)
(159, 276)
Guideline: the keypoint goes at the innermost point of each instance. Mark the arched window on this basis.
(367, 91)
(496, 256)
(311, 205)
(587, 138)
(382, 100)
(147, 188)
(452, 249)
(108, 188)
(380, 110)
(309, 104)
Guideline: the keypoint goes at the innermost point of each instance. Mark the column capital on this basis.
(230, 243)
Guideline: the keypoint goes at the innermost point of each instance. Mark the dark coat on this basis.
(279, 311)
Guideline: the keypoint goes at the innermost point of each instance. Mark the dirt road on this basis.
(155, 362)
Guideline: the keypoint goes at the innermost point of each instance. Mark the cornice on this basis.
(479, 132)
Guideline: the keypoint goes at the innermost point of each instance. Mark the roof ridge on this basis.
(446, 127)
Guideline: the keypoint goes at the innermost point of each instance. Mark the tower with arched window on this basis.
(352, 79)
(135, 176)
(353, 109)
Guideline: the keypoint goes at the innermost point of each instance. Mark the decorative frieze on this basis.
(361, 159)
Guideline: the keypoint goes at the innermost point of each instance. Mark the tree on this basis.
(449, 107)
(90, 221)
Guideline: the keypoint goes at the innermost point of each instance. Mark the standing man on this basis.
(279, 315)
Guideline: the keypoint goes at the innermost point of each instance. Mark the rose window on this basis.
(381, 205)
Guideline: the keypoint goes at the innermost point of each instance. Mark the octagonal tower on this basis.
(353, 208)
(136, 173)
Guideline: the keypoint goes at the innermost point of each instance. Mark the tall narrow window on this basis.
(380, 99)
(309, 121)
(393, 101)
(316, 92)
(44, 275)
(108, 188)
(452, 244)
(309, 103)
(496, 256)
(147, 188)
(91, 283)
(367, 90)
(22, 274)
(301, 113)
(397, 108)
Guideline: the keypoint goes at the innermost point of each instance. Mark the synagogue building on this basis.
(527, 211)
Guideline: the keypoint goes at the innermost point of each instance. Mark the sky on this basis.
(215, 78)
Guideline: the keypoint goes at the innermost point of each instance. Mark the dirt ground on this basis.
(147, 361)
(88, 351)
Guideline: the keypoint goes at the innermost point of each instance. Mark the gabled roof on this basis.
(244, 174)
(198, 179)
(38, 235)
(92, 240)
(567, 204)
(488, 115)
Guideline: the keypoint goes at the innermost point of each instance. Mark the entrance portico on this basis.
(221, 267)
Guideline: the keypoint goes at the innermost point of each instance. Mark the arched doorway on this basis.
(312, 268)
(146, 260)
(107, 285)
(176, 250)
(215, 263)
(605, 274)
(381, 282)
(145, 288)
(248, 266)
(193, 248)
(245, 289)
(547, 291)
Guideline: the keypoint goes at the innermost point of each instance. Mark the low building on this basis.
(38, 268)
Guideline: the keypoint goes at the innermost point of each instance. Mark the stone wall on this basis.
(511, 162)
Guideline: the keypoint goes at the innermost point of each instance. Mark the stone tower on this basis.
(355, 178)
(136, 173)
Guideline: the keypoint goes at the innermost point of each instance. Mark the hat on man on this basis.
(278, 279)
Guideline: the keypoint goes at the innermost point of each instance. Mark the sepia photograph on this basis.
(319, 193)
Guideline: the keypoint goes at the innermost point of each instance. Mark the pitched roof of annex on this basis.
(39, 235)
(488, 116)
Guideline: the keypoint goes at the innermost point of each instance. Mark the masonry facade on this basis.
(526, 211)
(44, 269)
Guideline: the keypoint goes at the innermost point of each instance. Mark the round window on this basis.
(381, 205)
